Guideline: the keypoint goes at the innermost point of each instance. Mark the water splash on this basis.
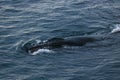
(42, 51)
(116, 29)
(38, 41)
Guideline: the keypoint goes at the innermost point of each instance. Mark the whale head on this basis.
(49, 44)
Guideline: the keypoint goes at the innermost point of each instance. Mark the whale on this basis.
(57, 42)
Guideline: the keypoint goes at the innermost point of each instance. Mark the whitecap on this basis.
(116, 29)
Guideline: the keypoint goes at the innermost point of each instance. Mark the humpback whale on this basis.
(57, 42)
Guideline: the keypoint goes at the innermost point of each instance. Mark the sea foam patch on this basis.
(116, 29)
(42, 51)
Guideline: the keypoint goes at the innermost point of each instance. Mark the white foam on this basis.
(38, 41)
(42, 51)
(116, 29)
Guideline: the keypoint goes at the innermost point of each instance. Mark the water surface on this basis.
(24, 20)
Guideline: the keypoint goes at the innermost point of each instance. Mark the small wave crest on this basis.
(116, 29)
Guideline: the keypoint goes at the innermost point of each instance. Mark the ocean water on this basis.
(22, 21)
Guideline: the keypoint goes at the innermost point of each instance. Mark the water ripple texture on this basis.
(22, 21)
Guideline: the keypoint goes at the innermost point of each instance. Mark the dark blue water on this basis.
(24, 20)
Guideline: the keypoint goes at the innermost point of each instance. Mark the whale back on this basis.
(59, 42)
(55, 42)
(78, 41)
